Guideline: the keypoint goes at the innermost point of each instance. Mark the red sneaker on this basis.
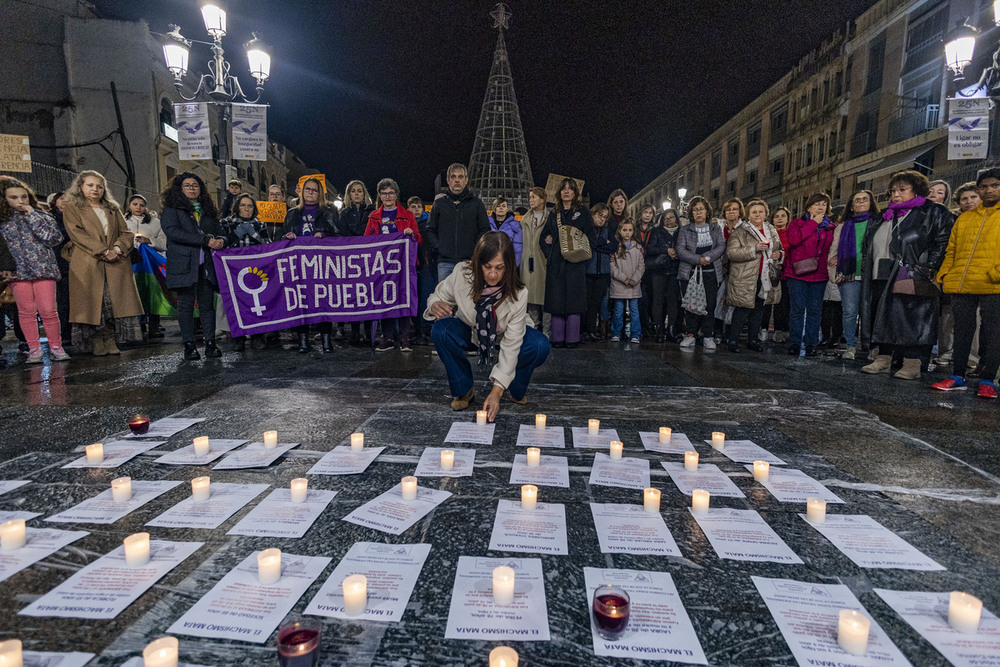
(953, 383)
(986, 390)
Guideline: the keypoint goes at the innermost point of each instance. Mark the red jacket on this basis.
(404, 220)
(807, 241)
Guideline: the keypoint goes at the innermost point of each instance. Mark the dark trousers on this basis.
(62, 306)
(752, 316)
(389, 325)
(806, 300)
(203, 292)
(646, 302)
(964, 307)
(597, 288)
(324, 328)
(779, 310)
(832, 324)
(426, 282)
(658, 299)
(672, 300)
(701, 325)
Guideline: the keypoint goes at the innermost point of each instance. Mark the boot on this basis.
(909, 371)
(191, 352)
(109, 342)
(604, 329)
(462, 402)
(240, 344)
(212, 350)
(661, 334)
(304, 345)
(327, 343)
(880, 365)
(100, 348)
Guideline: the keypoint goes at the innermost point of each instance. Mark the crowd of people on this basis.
(881, 287)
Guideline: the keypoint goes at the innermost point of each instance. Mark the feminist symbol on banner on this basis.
(254, 292)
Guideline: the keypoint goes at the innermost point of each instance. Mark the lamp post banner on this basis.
(194, 140)
(250, 132)
(283, 284)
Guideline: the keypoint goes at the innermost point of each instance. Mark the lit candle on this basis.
(665, 434)
(12, 535)
(201, 445)
(816, 510)
(136, 549)
(503, 585)
(761, 470)
(355, 594)
(529, 496)
(699, 501)
(270, 439)
(534, 457)
(269, 566)
(409, 487)
(139, 424)
(691, 461)
(964, 612)
(481, 417)
(540, 420)
(503, 656)
(201, 488)
(447, 459)
(95, 453)
(616, 449)
(852, 632)
(718, 439)
(299, 489)
(10, 653)
(161, 653)
(651, 500)
(593, 426)
(121, 489)
(357, 441)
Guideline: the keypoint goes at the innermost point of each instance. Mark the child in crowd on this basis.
(627, 267)
(503, 220)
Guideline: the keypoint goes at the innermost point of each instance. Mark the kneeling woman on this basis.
(486, 293)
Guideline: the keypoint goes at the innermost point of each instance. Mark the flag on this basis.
(151, 279)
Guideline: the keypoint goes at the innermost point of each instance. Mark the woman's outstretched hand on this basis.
(492, 403)
(440, 310)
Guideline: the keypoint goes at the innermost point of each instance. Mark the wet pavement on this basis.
(922, 463)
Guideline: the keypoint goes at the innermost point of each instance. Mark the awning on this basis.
(895, 163)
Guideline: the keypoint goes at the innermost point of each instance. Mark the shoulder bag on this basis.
(573, 244)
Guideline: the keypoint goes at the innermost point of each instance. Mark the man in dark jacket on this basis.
(457, 221)
(235, 188)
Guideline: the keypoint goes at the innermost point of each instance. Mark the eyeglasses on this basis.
(190, 186)
(310, 190)
(899, 191)
(388, 193)
(861, 200)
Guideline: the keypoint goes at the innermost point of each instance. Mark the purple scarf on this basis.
(902, 208)
(847, 250)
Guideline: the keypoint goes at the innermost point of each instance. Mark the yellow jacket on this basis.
(972, 261)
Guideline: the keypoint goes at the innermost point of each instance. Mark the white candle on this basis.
(503, 585)
(299, 489)
(270, 439)
(718, 439)
(269, 566)
(136, 549)
(665, 434)
(699, 501)
(10, 653)
(534, 457)
(201, 488)
(615, 450)
(964, 612)
(447, 459)
(529, 496)
(503, 656)
(651, 500)
(95, 453)
(540, 420)
(409, 487)
(161, 653)
(201, 445)
(593, 426)
(121, 489)
(691, 461)
(761, 470)
(816, 510)
(481, 417)
(357, 441)
(355, 594)
(12, 534)
(852, 632)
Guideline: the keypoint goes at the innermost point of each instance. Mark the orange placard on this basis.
(319, 177)
(271, 211)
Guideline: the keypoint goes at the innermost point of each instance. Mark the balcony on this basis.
(914, 122)
(771, 182)
(863, 142)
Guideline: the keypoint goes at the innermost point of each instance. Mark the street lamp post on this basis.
(958, 52)
(222, 87)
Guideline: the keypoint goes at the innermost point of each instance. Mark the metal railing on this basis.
(45, 179)
(913, 123)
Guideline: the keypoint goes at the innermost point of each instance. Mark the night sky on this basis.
(387, 88)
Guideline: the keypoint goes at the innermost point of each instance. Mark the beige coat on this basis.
(744, 266)
(632, 265)
(512, 318)
(533, 261)
(87, 273)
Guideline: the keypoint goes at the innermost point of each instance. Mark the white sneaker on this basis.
(634, 340)
(709, 343)
(849, 353)
(616, 339)
(762, 336)
(688, 341)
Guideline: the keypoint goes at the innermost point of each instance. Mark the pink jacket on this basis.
(632, 265)
(806, 240)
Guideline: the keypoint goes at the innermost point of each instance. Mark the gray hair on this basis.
(388, 183)
(456, 166)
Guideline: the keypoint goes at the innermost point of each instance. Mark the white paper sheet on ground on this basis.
(117, 453)
(928, 614)
(239, 607)
(623, 473)
(550, 471)
(254, 455)
(342, 460)
(658, 625)
(225, 500)
(8, 485)
(430, 463)
(167, 427)
(550, 436)
(870, 544)
(391, 570)
(391, 514)
(808, 614)
(541, 530)
(474, 615)
(107, 586)
(10, 516)
(471, 433)
(679, 443)
(185, 456)
(103, 508)
(744, 535)
(278, 516)
(46, 659)
(630, 529)
(746, 451)
(39, 543)
(707, 477)
(137, 661)
(583, 440)
(788, 485)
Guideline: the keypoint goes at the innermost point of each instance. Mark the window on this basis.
(809, 154)
(753, 140)
(734, 153)
(814, 99)
(777, 166)
(876, 58)
(820, 149)
(752, 177)
(715, 194)
(798, 158)
(779, 124)
(865, 133)
(803, 103)
(792, 115)
(826, 92)
(838, 84)
(731, 186)
(923, 39)
(701, 172)
(833, 143)
(716, 163)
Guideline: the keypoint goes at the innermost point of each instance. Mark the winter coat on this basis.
(241, 232)
(512, 228)
(325, 223)
(512, 318)
(673, 265)
(404, 220)
(354, 219)
(806, 240)
(88, 274)
(187, 246)
(30, 240)
(972, 262)
(655, 247)
(565, 282)
(605, 245)
(832, 257)
(425, 258)
(533, 261)
(457, 222)
(687, 244)
(631, 266)
(226, 209)
(151, 230)
(745, 266)
(7, 263)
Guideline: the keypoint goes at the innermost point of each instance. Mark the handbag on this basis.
(805, 266)
(913, 284)
(695, 300)
(7, 295)
(573, 244)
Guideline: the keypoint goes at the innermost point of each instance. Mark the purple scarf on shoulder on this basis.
(847, 249)
(902, 208)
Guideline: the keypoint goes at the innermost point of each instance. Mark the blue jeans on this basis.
(453, 338)
(850, 299)
(806, 311)
(618, 319)
(444, 270)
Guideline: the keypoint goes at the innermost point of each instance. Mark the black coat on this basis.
(7, 262)
(656, 246)
(605, 245)
(186, 239)
(326, 221)
(565, 282)
(455, 225)
(354, 219)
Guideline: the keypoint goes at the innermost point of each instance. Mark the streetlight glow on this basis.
(259, 58)
(959, 49)
(175, 52)
(215, 19)
(682, 191)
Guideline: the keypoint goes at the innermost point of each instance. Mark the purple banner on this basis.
(283, 284)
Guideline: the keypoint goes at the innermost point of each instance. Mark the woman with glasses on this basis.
(847, 258)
